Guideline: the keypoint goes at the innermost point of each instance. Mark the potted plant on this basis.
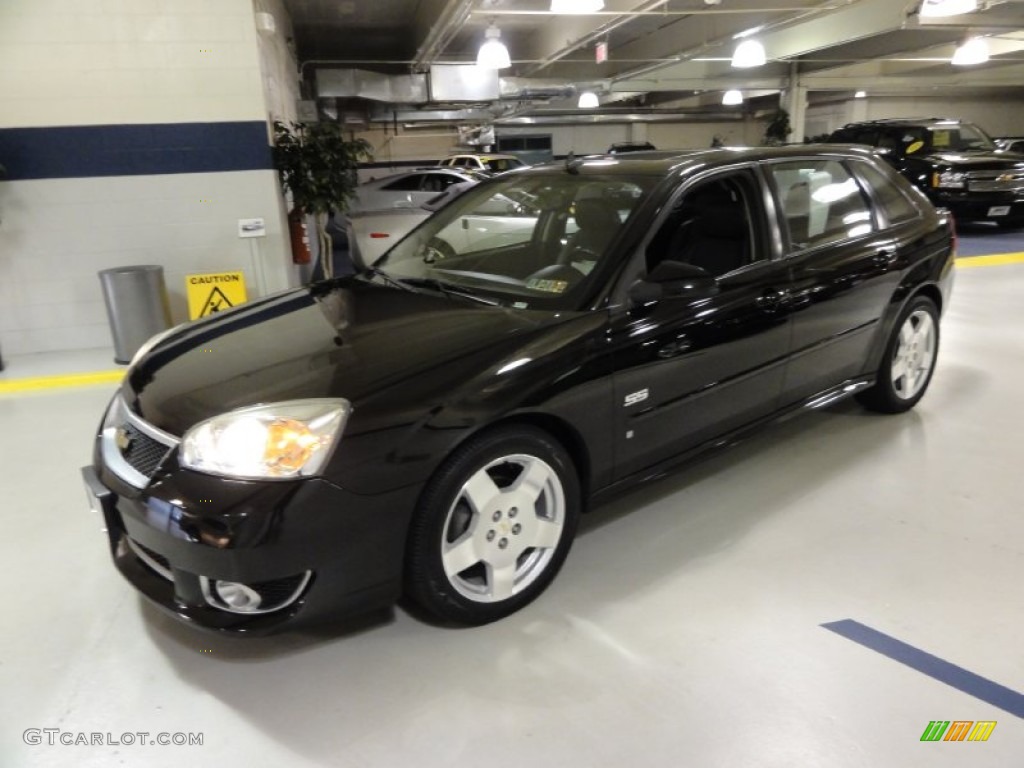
(318, 168)
(778, 129)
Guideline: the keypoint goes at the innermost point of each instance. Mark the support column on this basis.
(795, 102)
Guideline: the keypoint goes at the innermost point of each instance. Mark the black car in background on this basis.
(436, 425)
(952, 161)
(625, 147)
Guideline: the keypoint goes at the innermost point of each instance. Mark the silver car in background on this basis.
(408, 189)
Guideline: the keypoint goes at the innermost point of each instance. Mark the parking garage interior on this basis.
(827, 592)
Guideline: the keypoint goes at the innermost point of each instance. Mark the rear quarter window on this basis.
(887, 193)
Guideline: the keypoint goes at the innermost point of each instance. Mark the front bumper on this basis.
(974, 206)
(311, 549)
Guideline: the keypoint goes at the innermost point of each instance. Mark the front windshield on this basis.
(958, 137)
(523, 240)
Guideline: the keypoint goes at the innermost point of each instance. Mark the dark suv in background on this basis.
(954, 162)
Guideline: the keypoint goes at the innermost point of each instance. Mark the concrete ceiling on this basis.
(675, 51)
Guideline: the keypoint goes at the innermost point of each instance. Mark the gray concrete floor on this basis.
(683, 631)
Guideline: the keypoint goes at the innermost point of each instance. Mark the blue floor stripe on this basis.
(974, 685)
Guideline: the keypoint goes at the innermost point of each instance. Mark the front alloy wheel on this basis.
(494, 526)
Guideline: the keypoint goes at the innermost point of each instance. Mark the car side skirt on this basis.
(822, 399)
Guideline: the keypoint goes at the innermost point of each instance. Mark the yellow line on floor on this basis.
(63, 380)
(965, 262)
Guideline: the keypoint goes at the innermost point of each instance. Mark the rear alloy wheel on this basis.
(909, 360)
(494, 526)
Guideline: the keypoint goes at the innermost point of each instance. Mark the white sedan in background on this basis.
(408, 189)
(498, 222)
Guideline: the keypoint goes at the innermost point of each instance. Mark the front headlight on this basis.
(949, 180)
(276, 441)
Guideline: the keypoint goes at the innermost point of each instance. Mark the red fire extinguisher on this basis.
(299, 237)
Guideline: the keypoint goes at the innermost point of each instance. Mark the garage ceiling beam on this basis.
(1004, 77)
(832, 28)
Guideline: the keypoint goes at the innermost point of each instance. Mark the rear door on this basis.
(690, 370)
(843, 271)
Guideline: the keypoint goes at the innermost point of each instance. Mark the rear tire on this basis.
(493, 526)
(909, 360)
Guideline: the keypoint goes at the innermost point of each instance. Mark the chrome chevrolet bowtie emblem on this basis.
(1006, 177)
(122, 439)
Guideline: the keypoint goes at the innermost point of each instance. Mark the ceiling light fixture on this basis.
(933, 8)
(732, 98)
(749, 53)
(576, 6)
(588, 100)
(860, 95)
(973, 51)
(493, 54)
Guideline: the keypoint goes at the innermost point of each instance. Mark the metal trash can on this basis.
(137, 307)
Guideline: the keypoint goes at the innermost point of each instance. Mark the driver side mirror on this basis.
(673, 279)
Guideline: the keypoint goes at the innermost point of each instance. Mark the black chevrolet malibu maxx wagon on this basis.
(434, 426)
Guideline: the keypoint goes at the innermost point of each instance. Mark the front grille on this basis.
(143, 453)
(995, 181)
(132, 448)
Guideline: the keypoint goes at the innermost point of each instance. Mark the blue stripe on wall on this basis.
(133, 150)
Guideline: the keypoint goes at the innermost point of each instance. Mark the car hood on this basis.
(979, 160)
(347, 338)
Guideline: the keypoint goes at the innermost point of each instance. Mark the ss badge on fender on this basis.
(636, 397)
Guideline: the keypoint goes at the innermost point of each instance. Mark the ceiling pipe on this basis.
(599, 33)
(451, 20)
(711, 45)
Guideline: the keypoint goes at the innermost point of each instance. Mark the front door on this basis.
(690, 370)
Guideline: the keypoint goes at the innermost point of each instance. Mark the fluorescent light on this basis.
(732, 98)
(588, 100)
(576, 6)
(749, 53)
(947, 7)
(974, 51)
(860, 95)
(493, 54)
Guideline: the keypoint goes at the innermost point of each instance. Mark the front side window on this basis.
(712, 226)
(525, 240)
(821, 202)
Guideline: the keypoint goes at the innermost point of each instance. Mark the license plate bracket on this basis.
(999, 210)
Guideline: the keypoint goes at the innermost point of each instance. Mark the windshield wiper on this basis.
(447, 289)
(392, 281)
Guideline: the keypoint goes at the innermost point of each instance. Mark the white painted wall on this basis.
(278, 64)
(85, 62)
(58, 234)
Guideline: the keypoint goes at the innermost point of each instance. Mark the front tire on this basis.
(909, 360)
(493, 526)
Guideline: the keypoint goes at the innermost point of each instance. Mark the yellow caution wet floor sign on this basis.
(214, 292)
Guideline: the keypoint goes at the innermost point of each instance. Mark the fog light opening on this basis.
(237, 596)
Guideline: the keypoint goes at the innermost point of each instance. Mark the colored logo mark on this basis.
(958, 730)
